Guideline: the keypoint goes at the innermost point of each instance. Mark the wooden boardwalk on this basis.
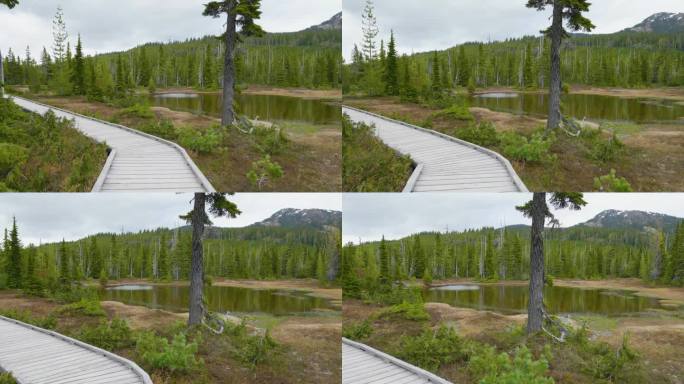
(443, 163)
(362, 364)
(37, 356)
(137, 162)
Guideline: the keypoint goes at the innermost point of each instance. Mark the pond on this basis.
(514, 298)
(264, 107)
(220, 299)
(580, 106)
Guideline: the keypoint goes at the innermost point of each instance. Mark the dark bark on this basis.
(228, 115)
(2, 77)
(196, 271)
(536, 304)
(556, 33)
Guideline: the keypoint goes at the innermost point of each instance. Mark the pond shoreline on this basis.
(302, 93)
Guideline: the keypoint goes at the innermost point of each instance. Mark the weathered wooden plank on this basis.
(362, 364)
(442, 156)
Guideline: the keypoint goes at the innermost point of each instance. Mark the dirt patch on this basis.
(470, 321)
(139, 317)
(35, 305)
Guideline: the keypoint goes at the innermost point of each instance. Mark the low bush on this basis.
(263, 172)
(163, 128)
(368, 165)
(431, 348)
(137, 110)
(357, 331)
(270, 140)
(501, 368)
(200, 142)
(175, 357)
(605, 150)
(612, 183)
(11, 156)
(110, 335)
(458, 111)
(533, 150)
(7, 378)
(409, 311)
(47, 322)
(87, 307)
(72, 294)
(483, 134)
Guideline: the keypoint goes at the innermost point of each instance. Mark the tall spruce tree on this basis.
(78, 73)
(242, 14)
(538, 210)
(218, 206)
(391, 68)
(13, 251)
(369, 28)
(9, 3)
(569, 11)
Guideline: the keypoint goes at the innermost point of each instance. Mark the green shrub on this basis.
(612, 183)
(368, 165)
(432, 348)
(256, 349)
(162, 128)
(7, 378)
(393, 296)
(606, 150)
(532, 150)
(11, 155)
(264, 171)
(110, 336)
(138, 110)
(87, 307)
(270, 140)
(47, 322)
(606, 363)
(495, 368)
(408, 311)
(200, 142)
(73, 294)
(357, 331)
(176, 357)
(456, 111)
(483, 134)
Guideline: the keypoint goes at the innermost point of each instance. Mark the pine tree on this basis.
(370, 31)
(391, 68)
(436, 81)
(64, 276)
(78, 73)
(240, 13)
(569, 11)
(418, 258)
(384, 263)
(163, 260)
(13, 251)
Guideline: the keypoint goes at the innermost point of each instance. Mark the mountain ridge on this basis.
(661, 22)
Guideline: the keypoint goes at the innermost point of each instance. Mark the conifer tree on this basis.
(64, 277)
(163, 260)
(391, 68)
(569, 11)
(384, 263)
(9, 3)
(436, 81)
(242, 14)
(418, 258)
(13, 251)
(538, 210)
(78, 74)
(198, 218)
(370, 31)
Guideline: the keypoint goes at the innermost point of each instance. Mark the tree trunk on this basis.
(555, 79)
(196, 273)
(228, 115)
(535, 306)
(2, 77)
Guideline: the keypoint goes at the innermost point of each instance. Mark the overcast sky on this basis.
(438, 24)
(45, 217)
(115, 25)
(370, 216)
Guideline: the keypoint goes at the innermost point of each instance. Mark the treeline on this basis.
(629, 60)
(308, 59)
(165, 254)
(490, 254)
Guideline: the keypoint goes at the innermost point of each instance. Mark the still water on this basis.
(219, 299)
(580, 106)
(514, 298)
(263, 107)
